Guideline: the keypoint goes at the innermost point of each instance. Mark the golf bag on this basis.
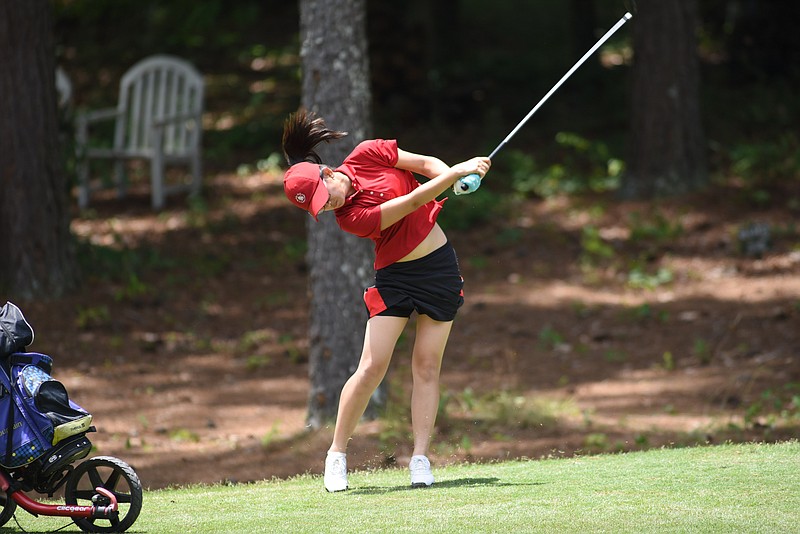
(43, 433)
(36, 415)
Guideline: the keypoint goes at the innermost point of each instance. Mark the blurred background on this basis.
(453, 77)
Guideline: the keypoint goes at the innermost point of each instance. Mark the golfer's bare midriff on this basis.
(434, 240)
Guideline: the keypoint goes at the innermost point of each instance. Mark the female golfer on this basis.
(374, 195)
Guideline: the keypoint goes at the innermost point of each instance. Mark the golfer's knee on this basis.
(370, 375)
(426, 371)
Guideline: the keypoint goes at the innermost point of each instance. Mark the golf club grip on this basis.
(467, 184)
(471, 182)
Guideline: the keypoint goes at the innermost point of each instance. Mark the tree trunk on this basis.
(38, 256)
(667, 148)
(336, 86)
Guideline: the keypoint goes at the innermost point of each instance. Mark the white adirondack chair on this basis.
(157, 118)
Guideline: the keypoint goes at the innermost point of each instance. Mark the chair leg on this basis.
(197, 175)
(157, 179)
(82, 159)
(120, 178)
(83, 182)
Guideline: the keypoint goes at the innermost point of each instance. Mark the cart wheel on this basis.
(9, 507)
(117, 477)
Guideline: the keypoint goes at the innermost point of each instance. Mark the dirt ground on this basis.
(655, 330)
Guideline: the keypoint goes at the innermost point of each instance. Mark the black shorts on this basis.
(431, 285)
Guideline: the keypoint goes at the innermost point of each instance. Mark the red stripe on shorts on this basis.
(374, 301)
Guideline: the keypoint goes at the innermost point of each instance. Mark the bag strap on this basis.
(10, 420)
(6, 333)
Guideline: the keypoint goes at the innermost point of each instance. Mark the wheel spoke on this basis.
(94, 477)
(113, 480)
(122, 497)
(85, 494)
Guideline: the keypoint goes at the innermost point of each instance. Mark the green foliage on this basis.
(594, 249)
(550, 338)
(253, 339)
(509, 236)
(272, 435)
(270, 164)
(668, 361)
(495, 412)
(765, 154)
(775, 406)
(596, 442)
(469, 211)
(615, 356)
(248, 135)
(93, 317)
(184, 435)
(767, 162)
(509, 410)
(197, 215)
(583, 166)
(646, 312)
(762, 167)
(133, 289)
(656, 228)
(209, 26)
(251, 345)
(702, 350)
(120, 263)
(639, 278)
(213, 264)
(292, 251)
(292, 349)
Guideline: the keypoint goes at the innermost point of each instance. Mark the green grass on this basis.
(728, 488)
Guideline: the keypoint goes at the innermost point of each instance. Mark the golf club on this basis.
(472, 182)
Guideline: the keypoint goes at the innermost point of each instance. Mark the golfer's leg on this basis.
(379, 341)
(426, 362)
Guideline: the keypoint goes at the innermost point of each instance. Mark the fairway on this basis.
(729, 488)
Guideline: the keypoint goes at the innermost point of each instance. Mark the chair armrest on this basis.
(98, 115)
(175, 119)
(82, 121)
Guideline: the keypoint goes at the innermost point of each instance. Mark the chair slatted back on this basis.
(157, 88)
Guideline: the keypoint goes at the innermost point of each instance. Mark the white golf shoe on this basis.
(421, 476)
(335, 472)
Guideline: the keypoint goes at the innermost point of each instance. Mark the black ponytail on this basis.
(302, 131)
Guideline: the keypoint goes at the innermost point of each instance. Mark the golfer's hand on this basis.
(479, 166)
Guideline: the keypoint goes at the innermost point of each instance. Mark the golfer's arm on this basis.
(427, 166)
(397, 208)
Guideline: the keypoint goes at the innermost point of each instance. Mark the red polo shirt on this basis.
(371, 167)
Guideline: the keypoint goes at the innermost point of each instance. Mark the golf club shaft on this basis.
(464, 188)
(569, 73)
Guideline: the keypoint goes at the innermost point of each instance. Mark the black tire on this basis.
(114, 475)
(9, 507)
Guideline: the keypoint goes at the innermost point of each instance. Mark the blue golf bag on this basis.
(41, 430)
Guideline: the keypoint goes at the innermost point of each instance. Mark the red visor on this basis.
(303, 186)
